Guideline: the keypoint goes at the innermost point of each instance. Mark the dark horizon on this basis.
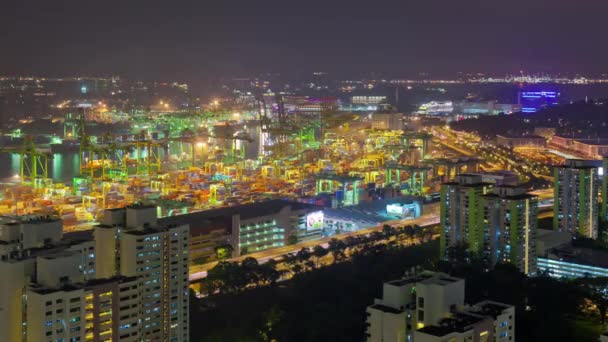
(191, 40)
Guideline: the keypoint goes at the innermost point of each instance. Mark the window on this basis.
(420, 315)
(421, 302)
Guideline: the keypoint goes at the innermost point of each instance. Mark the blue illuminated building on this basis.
(533, 101)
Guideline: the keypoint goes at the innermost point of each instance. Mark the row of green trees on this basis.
(232, 277)
(326, 304)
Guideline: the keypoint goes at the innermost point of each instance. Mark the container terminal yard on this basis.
(257, 179)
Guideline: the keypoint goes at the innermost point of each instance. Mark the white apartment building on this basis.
(126, 281)
(430, 306)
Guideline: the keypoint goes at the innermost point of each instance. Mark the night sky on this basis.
(197, 39)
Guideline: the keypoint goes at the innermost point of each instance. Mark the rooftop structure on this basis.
(430, 306)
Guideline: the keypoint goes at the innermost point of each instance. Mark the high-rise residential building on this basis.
(604, 193)
(157, 255)
(509, 227)
(498, 224)
(430, 306)
(461, 212)
(576, 208)
(126, 281)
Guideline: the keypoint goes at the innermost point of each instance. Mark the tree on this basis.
(227, 277)
(388, 231)
(596, 290)
(268, 274)
(409, 232)
(376, 236)
(223, 252)
(417, 231)
(319, 252)
(296, 269)
(250, 263)
(250, 268)
(310, 265)
(336, 247)
(292, 239)
(271, 319)
(303, 254)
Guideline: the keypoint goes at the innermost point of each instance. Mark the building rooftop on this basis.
(530, 136)
(410, 280)
(102, 281)
(581, 164)
(48, 290)
(143, 232)
(425, 277)
(200, 219)
(490, 308)
(15, 220)
(515, 197)
(580, 255)
(440, 279)
(140, 205)
(468, 180)
(458, 323)
(386, 309)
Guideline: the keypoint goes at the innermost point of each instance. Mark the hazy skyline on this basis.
(190, 40)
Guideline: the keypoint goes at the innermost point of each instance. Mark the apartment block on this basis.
(496, 223)
(509, 227)
(576, 206)
(126, 280)
(430, 307)
(461, 212)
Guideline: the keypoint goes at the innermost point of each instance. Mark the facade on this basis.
(436, 108)
(545, 132)
(530, 141)
(484, 108)
(431, 306)
(499, 223)
(387, 121)
(604, 192)
(531, 101)
(364, 103)
(576, 207)
(248, 228)
(203, 243)
(568, 261)
(305, 104)
(461, 212)
(158, 256)
(569, 269)
(590, 148)
(411, 303)
(484, 321)
(499, 178)
(123, 282)
(367, 100)
(509, 227)
(99, 310)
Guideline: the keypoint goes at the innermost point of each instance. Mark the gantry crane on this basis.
(33, 162)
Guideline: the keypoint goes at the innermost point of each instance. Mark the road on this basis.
(200, 271)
